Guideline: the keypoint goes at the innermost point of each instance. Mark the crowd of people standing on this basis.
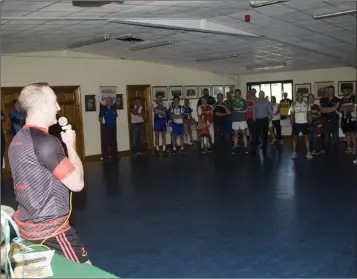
(237, 122)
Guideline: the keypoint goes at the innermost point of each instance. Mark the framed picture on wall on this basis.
(190, 92)
(320, 88)
(343, 85)
(119, 101)
(229, 89)
(203, 87)
(90, 103)
(159, 90)
(216, 89)
(175, 91)
(305, 88)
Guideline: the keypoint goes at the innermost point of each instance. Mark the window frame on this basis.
(270, 82)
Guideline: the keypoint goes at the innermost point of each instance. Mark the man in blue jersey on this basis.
(17, 118)
(160, 123)
(108, 116)
(177, 114)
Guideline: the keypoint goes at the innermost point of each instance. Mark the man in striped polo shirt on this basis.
(43, 175)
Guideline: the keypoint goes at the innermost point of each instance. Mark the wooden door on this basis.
(69, 100)
(143, 92)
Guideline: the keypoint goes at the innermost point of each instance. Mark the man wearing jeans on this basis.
(137, 127)
(329, 107)
(262, 113)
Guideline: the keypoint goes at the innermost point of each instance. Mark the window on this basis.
(273, 88)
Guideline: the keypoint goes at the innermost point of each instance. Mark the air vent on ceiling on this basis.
(93, 4)
(129, 38)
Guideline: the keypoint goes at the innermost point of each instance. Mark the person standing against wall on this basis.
(108, 117)
(137, 127)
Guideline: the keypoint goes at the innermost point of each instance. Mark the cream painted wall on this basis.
(310, 76)
(89, 72)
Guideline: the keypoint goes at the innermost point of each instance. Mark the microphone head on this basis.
(62, 121)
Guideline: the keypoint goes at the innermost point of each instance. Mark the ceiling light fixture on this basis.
(151, 45)
(90, 42)
(214, 58)
(335, 14)
(258, 4)
(265, 67)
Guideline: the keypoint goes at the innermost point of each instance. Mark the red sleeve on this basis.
(63, 169)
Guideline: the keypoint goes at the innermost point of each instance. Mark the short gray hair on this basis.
(31, 95)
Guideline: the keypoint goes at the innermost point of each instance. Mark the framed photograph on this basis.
(305, 88)
(342, 85)
(119, 101)
(320, 88)
(190, 92)
(90, 103)
(201, 88)
(229, 89)
(216, 89)
(159, 89)
(175, 91)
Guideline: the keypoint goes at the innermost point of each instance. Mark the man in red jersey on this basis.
(43, 175)
(249, 113)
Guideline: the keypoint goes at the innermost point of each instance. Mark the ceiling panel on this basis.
(289, 34)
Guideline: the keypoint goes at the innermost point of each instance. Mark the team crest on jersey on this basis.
(83, 252)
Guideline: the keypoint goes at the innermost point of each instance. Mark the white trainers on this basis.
(294, 155)
(309, 155)
(355, 161)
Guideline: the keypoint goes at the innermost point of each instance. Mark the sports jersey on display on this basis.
(300, 110)
(239, 108)
(175, 112)
(38, 165)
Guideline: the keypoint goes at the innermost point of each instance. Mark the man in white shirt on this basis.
(137, 127)
(300, 118)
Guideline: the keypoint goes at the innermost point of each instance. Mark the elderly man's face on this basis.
(261, 95)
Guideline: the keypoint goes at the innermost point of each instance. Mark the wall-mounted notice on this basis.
(107, 93)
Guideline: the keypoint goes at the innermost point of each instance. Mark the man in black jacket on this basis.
(210, 100)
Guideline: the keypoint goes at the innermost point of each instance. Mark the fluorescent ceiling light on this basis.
(90, 42)
(335, 14)
(265, 67)
(151, 45)
(214, 58)
(258, 4)
(44, 18)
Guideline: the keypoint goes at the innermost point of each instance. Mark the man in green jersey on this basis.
(300, 118)
(239, 123)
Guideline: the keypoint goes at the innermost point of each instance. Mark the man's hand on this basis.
(69, 137)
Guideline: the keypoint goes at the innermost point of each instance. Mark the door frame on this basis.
(149, 122)
(78, 104)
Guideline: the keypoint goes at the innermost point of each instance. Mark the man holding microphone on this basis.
(43, 175)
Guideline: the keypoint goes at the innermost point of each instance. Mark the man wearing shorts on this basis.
(300, 118)
(239, 109)
(43, 175)
(160, 123)
(177, 114)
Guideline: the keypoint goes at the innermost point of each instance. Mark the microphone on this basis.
(62, 121)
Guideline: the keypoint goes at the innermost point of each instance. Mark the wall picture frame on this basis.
(119, 102)
(305, 88)
(190, 92)
(175, 91)
(320, 88)
(90, 103)
(201, 88)
(229, 89)
(342, 85)
(217, 89)
(159, 89)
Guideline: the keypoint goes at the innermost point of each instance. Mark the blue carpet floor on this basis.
(221, 216)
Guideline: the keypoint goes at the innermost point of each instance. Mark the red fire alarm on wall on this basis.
(247, 18)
